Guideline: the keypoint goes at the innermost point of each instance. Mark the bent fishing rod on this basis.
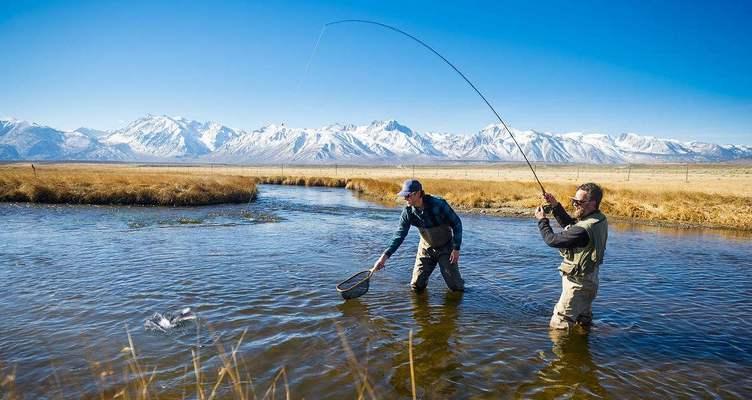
(362, 21)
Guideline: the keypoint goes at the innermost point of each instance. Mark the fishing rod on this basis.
(362, 21)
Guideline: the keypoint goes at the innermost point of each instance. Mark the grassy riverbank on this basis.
(667, 206)
(718, 196)
(121, 186)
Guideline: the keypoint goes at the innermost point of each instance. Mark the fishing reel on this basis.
(547, 209)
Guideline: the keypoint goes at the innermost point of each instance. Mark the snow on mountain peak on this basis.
(165, 136)
(162, 137)
(391, 125)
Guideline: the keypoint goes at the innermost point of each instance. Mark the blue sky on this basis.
(667, 69)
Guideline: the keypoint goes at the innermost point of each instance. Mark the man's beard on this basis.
(578, 212)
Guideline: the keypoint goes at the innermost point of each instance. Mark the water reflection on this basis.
(570, 374)
(682, 232)
(75, 276)
(438, 369)
(355, 309)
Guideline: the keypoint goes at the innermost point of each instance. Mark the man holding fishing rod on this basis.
(582, 244)
(440, 237)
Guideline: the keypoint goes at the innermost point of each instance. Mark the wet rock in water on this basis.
(181, 221)
(260, 218)
(136, 224)
(169, 320)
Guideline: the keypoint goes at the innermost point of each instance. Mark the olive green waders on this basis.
(579, 275)
(434, 248)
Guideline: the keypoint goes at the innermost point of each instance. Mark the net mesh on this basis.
(355, 286)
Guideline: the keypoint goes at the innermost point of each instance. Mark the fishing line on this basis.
(315, 47)
(302, 78)
(362, 21)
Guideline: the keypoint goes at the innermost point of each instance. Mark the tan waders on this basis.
(579, 275)
(434, 248)
(575, 305)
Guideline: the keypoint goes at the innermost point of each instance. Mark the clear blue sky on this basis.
(668, 69)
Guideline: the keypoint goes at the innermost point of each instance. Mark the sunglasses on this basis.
(579, 203)
(407, 196)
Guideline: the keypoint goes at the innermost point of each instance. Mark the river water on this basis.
(672, 315)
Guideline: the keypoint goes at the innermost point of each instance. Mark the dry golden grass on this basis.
(8, 382)
(121, 187)
(731, 179)
(666, 206)
(380, 190)
(701, 195)
(693, 208)
(302, 181)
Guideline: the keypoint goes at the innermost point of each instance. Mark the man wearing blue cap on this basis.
(440, 237)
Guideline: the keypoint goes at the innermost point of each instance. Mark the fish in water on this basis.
(169, 320)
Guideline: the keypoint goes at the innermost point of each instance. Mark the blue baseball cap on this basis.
(410, 186)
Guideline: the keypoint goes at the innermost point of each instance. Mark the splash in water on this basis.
(168, 321)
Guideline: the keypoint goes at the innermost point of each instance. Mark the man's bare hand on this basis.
(454, 257)
(539, 214)
(550, 199)
(380, 263)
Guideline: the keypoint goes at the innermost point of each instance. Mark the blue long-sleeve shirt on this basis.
(435, 212)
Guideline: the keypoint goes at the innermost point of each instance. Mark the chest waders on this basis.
(436, 237)
(434, 248)
(579, 280)
(584, 260)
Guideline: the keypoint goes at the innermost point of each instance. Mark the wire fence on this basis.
(685, 174)
(675, 173)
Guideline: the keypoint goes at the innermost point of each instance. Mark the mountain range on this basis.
(176, 139)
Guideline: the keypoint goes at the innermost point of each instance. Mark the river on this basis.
(671, 317)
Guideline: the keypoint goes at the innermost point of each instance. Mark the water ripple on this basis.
(671, 316)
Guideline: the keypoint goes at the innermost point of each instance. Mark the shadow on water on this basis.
(570, 373)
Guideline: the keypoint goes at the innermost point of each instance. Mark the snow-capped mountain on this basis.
(378, 142)
(92, 133)
(167, 137)
(164, 138)
(22, 140)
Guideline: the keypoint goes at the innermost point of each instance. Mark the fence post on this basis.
(686, 174)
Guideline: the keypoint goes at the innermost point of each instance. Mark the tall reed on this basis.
(230, 381)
